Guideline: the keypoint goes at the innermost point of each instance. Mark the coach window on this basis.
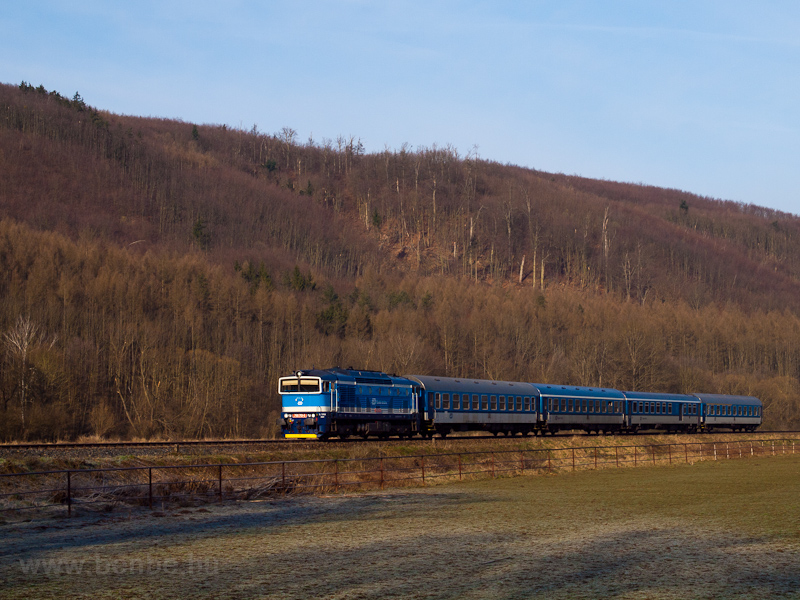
(494, 402)
(438, 401)
(527, 401)
(569, 404)
(456, 402)
(502, 405)
(484, 402)
(446, 401)
(475, 402)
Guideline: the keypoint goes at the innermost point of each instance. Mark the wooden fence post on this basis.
(459, 467)
(423, 469)
(150, 487)
(220, 483)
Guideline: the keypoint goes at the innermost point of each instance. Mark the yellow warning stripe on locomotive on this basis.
(304, 436)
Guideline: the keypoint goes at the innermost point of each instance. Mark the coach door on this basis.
(680, 412)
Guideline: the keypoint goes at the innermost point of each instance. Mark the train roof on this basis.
(729, 399)
(466, 385)
(358, 376)
(574, 391)
(657, 396)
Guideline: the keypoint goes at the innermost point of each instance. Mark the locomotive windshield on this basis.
(302, 385)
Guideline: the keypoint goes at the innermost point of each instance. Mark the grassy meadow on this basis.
(710, 530)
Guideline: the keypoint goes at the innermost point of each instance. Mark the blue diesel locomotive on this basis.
(319, 404)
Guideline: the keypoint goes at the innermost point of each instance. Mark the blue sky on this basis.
(699, 95)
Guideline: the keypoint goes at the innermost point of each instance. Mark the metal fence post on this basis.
(522, 463)
(381, 469)
(493, 464)
(283, 478)
(686, 452)
(635, 456)
(220, 483)
(573, 459)
(423, 469)
(459, 467)
(69, 493)
(669, 449)
(595, 457)
(150, 487)
(336, 474)
(616, 454)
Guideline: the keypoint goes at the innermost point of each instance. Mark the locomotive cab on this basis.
(306, 406)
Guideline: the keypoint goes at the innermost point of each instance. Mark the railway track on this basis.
(192, 446)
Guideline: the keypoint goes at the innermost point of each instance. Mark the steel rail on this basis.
(257, 442)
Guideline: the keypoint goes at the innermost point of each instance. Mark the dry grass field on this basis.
(728, 529)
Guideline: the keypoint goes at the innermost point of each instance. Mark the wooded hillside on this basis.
(159, 276)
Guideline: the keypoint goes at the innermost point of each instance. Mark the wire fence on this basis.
(153, 486)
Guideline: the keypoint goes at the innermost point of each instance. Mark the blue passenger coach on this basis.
(737, 413)
(670, 412)
(598, 410)
(506, 407)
